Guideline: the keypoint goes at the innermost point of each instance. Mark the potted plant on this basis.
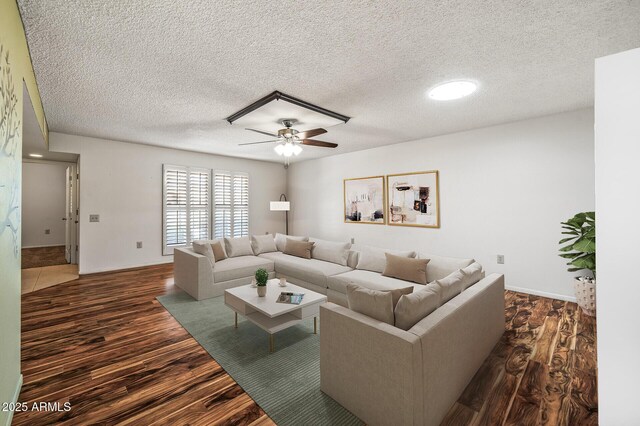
(262, 276)
(580, 249)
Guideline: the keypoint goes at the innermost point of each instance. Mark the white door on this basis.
(68, 215)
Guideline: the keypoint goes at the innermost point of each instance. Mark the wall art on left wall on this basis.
(364, 200)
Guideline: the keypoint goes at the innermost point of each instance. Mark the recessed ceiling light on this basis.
(452, 90)
(35, 155)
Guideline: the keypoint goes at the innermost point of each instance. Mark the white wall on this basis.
(122, 182)
(43, 203)
(617, 152)
(503, 190)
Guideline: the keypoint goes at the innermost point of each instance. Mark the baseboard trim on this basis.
(43, 246)
(15, 399)
(122, 269)
(542, 293)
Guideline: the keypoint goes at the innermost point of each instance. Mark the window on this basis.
(186, 206)
(231, 204)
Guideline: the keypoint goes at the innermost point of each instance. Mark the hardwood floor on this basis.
(37, 257)
(104, 344)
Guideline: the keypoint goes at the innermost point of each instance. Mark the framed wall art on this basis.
(414, 199)
(364, 200)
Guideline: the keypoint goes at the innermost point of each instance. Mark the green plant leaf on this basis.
(585, 245)
(564, 240)
(566, 248)
(570, 255)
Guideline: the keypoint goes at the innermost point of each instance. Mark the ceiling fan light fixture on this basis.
(297, 149)
(279, 149)
(288, 149)
(451, 90)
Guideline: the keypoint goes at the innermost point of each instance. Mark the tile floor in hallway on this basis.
(38, 278)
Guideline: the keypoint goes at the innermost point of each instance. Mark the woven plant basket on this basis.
(585, 290)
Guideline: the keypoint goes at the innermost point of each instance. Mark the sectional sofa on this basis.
(384, 374)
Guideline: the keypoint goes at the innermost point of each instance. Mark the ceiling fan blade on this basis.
(310, 133)
(254, 143)
(264, 133)
(319, 143)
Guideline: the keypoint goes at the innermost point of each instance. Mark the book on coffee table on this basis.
(288, 297)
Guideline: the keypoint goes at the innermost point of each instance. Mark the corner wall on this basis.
(503, 190)
(617, 151)
(122, 182)
(15, 69)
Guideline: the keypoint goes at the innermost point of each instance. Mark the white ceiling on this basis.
(166, 72)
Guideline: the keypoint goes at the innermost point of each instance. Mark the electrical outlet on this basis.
(47, 231)
(500, 259)
(353, 240)
(139, 244)
(94, 218)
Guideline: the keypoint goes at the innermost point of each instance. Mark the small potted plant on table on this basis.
(262, 276)
(580, 249)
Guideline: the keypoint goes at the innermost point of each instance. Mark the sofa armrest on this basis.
(193, 273)
(370, 367)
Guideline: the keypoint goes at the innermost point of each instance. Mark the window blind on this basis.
(186, 206)
(231, 204)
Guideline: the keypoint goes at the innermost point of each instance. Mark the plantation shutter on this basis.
(231, 204)
(186, 206)
(240, 205)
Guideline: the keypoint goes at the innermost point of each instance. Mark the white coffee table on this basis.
(270, 315)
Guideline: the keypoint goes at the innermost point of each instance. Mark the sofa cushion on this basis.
(218, 251)
(330, 251)
(298, 248)
(313, 271)
(281, 239)
(406, 268)
(451, 286)
(240, 267)
(263, 244)
(368, 279)
(411, 308)
(373, 259)
(472, 274)
(372, 303)
(203, 247)
(440, 266)
(239, 246)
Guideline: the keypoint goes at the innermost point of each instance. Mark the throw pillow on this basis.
(281, 240)
(298, 248)
(238, 247)
(412, 308)
(372, 303)
(450, 286)
(330, 251)
(204, 248)
(218, 251)
(263, 244)
(472, 274)
(373, 258)
(406, 268)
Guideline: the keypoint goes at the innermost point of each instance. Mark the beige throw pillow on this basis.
(472, 274)
(450, 286)
(218, 251)
(204, 248)
(330, 251)
(240, 246)
(373, 258)
(412, 308)
(298, 248)
(263, 244)
(406, 268)
(372, 303)
(281, 240)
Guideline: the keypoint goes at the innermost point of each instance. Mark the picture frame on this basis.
(413, 199)
(364, 200)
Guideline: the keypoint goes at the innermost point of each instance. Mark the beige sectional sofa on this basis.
(382, 373)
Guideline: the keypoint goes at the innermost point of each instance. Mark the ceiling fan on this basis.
(290, 139)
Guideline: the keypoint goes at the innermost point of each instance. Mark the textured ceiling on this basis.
(166, 72)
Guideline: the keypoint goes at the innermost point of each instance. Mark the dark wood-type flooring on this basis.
(37, 257)
(106, 346)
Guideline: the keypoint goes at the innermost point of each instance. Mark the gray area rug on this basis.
(286, 383)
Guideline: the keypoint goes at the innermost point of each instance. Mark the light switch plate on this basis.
(139, 244)
(94, 218)
(500, 259)
(47, 231)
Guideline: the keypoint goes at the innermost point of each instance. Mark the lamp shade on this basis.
(280, 206)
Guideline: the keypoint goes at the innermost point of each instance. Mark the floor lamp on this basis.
(282, 206)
